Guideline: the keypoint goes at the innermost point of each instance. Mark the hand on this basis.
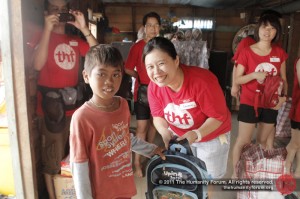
(79, 22)
(260, 76)
(191, 136)
(51, 21)
(159, 151)
(280, 103)
(235, 91)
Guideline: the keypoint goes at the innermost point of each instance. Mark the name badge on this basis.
(73, 43)
(188, 105)
(274, 59)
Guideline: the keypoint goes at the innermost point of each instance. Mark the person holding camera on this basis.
(56, 58)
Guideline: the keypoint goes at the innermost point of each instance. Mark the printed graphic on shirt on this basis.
(64, 56)
(115, 149)
(178, 116)
(266, 67)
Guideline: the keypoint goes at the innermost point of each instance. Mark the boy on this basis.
(100, 142)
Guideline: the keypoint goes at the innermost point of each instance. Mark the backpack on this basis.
(181, 175)
(267, 93)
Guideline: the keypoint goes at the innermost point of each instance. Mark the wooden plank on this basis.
(16, 99)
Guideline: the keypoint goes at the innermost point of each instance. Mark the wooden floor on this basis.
(141, 183)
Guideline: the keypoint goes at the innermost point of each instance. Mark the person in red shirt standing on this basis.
(293, 148)
(56, 58)
(136, 68)
(254, 64)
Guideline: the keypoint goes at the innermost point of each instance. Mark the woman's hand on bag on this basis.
(191, 136)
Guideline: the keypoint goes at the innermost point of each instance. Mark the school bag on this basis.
(180, 176)
(267, 93)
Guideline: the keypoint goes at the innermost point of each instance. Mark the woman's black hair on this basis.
(151, 15)
(162, 44)
(274, 21)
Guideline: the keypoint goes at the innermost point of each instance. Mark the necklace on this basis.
(100, 106)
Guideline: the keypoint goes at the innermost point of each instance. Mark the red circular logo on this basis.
(286, 184)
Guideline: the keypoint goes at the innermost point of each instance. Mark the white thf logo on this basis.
(180, 118)
(64, 56)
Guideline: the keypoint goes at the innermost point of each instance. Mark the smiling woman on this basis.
(183, 105)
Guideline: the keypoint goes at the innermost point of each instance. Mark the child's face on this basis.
(104, 80)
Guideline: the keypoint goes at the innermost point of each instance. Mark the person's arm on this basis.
(81, 179)
(40, 54)
(240, 78)
(145, 148)
(235, 88)
(283, 76)
(210, 125)
(162, 127)
(80, 24)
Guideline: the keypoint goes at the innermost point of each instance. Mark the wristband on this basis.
(199, 136)
(88, 35)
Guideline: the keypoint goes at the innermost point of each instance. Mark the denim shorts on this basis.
(215, 155)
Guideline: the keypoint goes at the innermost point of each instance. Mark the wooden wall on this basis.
(128, 18)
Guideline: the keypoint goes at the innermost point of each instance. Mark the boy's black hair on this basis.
(103, 54)
(274, 21)
(151, 15)
(162, 44)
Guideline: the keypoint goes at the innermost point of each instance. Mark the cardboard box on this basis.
(65, 167)
(64, 187)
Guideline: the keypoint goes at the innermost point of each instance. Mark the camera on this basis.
(65, 17)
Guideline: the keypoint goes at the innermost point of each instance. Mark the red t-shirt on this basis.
(134, 61)
(61, 68)
(103, 139)
(200, 97)
(246, 42)
(256, 63)
(295, 109)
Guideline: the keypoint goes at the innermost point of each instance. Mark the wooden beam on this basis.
(14, 78)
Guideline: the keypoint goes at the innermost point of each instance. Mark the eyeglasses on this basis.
(152, 25)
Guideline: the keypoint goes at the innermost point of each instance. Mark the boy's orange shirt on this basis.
(103, 139)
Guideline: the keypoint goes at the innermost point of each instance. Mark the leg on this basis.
(293, 149)
(141, 132)
(297, 170)
(244, 138)
(265, 132)
(53, 151)
(270, 139)
(267, 128)
(49, 185)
